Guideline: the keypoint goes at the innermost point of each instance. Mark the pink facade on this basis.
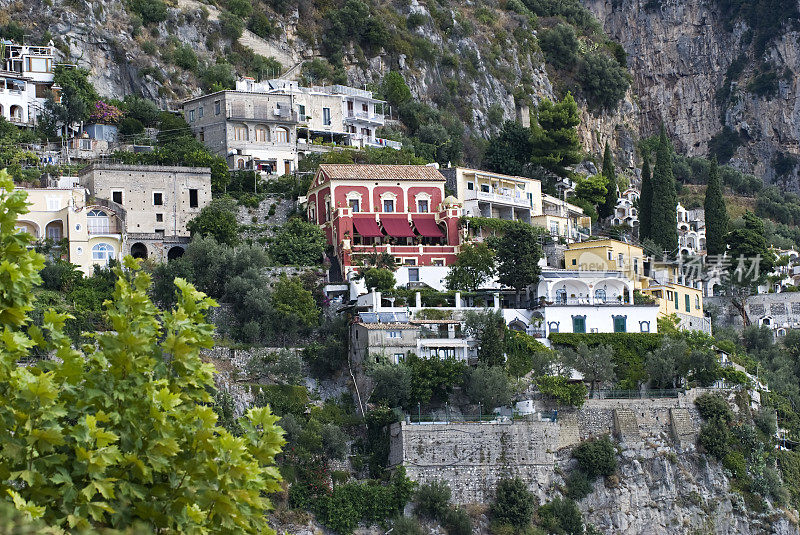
(396, 209)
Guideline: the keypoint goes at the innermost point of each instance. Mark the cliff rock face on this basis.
(679, 52)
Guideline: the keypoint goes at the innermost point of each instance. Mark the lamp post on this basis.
(419, 412)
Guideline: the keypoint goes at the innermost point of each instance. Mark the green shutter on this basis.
(620, 324)
(688, 303)
(578, 324)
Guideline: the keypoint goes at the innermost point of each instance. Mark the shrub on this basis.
(298, 243)
(514, 503)
(230, 26)
(561, 516)
(334, 441)
(578, 485)
(735, 462)
(603, 80)
(433, 499)
(715, 437)
(261, 25)
(151, 11)
(392, 384)
(404, 525)
(712, 406)
(129, 126)
(283, 399)
(560, 45)
(558, 388)
(184, 57)
(457, 521)
(240, 8)
(596, 457)
(489, 386)
(379, 278)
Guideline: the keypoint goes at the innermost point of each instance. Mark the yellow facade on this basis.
(92, 233)
(676, 299)
(606, 255)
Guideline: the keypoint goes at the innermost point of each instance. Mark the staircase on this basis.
(682, 428)
(626, 427)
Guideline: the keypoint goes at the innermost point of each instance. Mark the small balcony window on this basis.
(422, 206)
(388, 205)
(354, 205)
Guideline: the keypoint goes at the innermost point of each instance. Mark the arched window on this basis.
(561, 296)
(16, 113)
(262, 134)
(99, 222)
(102, 253)
(281, 135)
(600, 295)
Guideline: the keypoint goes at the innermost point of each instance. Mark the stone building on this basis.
(251, 130)
(154, 203)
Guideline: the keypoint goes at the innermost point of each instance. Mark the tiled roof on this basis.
(381, 172)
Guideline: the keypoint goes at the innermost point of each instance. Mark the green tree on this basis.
(561, 517)
(510, 151)
(663, 213)
(560, 45)
(646, 198)
(298, 243)
(474, 266)
(603, 80)
(293, 304)
(381, 279)
(489, 386)
(555, 141)
(518, 256)
(606, 209)
(217, 220)
(514, 503)
(434, 378)
(592, 189)
(394, 89)
(121, 431)
(716, 213)
(489, 328)
(151, 11)
(597, 457)
(141, 109)
(596, 364)
(392, 384)
(751, 259)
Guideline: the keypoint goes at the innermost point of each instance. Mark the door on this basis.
(288, 167)
(349, 108)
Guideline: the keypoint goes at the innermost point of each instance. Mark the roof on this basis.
(380, 172)
(387, 326)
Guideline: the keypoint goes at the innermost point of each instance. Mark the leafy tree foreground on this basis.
(121, 432)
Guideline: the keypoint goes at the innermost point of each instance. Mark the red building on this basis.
(396, 209)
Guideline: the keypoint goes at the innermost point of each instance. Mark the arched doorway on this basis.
(54, 230)
(16, 113)
(139, 250)
(175, 252)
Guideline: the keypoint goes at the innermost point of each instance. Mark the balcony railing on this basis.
(429, 334)
(262, 114)
(404, 249)
(505, 198)
(366, 116)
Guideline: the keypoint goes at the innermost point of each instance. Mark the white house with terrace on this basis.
(26, 79)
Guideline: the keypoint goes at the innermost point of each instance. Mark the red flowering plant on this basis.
(105, 113)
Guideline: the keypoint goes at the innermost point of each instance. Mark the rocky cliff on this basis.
(700, 70)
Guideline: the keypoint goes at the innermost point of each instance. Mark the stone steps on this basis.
(626, 426)
(682, 427)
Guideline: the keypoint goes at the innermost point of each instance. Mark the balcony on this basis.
(364, 116)
(430, 334)
(100, 229)
(268, 114)
(512, 198)
(404, 249)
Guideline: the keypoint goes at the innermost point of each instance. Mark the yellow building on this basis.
(606, 255)
(92, 232)
(675, 295)
(562, 219)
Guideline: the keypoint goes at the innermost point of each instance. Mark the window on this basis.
(677, 306)
(552, 326)
(399, 357)
(413, 275)
(159, 218)
(561, 296)
(409, 261)
(193, 202)
(620, 324)
(600, 295)
(158, 198)
(364, 108)
(282, 135)
(422, 206)
(116, 196)
(437, 262)
(688, 303)
(191, 116)
(636, 265)
(98, 222)
(394, 334)
(554, 228)
(579, 324)
(102, 253)
(620, 261)
(574, 261)
(610, 255)
(53, 231)
(200, 112)
(240, 133)
(326, 116)
(485, 188)
(644, 326)
(262, 135)
(470, 186)
(388, 205)
(697, 302)
(301, 111)
(53, 204)
(354, 205)
(216, 107)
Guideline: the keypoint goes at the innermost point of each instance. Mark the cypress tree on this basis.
(607, 208)
(716, 214)
(663, 213)
(645, 198)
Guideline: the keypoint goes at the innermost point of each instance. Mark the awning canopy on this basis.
(426, 226)
(367, 227)
(397, 226)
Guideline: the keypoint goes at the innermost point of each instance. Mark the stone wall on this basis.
(472, 457)
(783, 308)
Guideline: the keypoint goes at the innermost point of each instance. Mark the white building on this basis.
(26, 79)
(691, 230)
(626, 211)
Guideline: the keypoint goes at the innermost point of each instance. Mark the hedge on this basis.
(630, 350)
(282, 399)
